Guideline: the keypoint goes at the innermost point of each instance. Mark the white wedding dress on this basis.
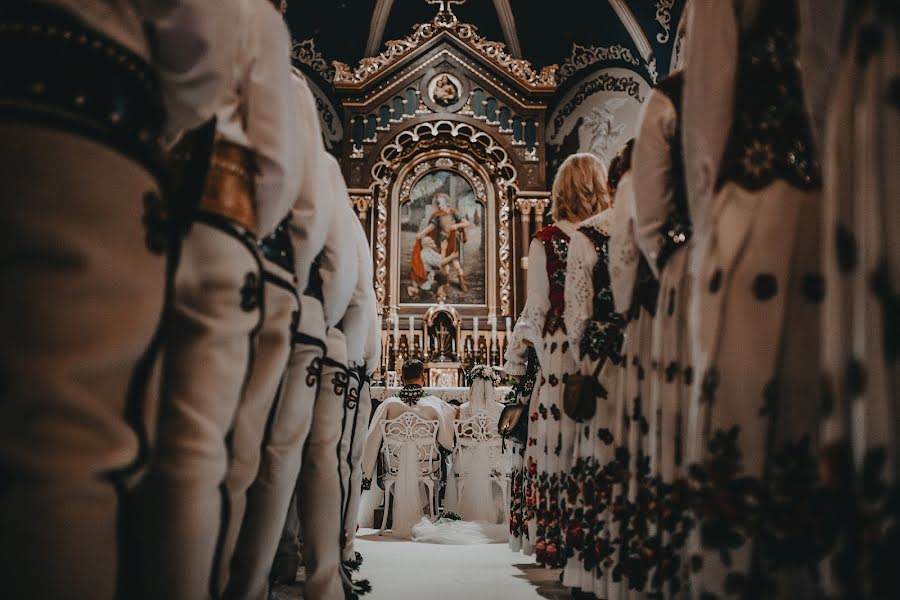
(478, 501)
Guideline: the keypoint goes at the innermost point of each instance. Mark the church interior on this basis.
(487, 299)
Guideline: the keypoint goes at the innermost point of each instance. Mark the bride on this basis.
(471, 493)
(474, 463)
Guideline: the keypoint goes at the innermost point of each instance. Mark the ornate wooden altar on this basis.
(445, 167)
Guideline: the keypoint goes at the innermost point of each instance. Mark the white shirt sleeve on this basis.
(530, 325)
(194, 54)
(273, 128)
(624, 254)
(357, 319)
(373, 339)
(579, 288)
(654, 188)
(322, 189)
(708, 105)
(339, 266)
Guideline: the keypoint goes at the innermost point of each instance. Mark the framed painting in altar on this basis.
(443, 241)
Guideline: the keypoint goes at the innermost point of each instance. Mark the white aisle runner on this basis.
(406, 570)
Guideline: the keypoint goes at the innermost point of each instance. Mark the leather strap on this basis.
(230, 189)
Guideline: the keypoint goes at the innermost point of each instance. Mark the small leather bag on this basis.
(580, 395)
(509, 418)
(510, 424)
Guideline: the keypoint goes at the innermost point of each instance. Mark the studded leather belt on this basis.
(277, 247)
(229, 190)
(61, 74)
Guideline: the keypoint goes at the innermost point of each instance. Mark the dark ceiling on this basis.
(546, 29)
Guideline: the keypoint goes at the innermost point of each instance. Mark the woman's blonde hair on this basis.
(579, 190)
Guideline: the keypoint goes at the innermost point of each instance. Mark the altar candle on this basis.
(411, 322)
(494, 328)
(396, 319)
(508, 326)
(475, 332)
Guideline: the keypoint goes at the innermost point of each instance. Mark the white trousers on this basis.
(81, 300)
(252, 422)
(357, 426)
(321, 489)
(210, 337)
(269, 497)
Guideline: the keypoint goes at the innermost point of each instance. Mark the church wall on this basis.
(605, 81)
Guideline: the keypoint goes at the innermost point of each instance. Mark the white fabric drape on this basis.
(407, 497)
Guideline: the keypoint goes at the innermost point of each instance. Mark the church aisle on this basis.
(401, 570)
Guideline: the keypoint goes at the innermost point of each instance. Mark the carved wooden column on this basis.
(536, 202)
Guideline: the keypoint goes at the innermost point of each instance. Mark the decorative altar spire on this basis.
(445, 5)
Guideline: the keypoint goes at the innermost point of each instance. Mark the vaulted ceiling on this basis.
(542, 31)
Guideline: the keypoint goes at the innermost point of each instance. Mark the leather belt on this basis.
(314, 287)
(230, 189)
(60, 74)
(277, 247)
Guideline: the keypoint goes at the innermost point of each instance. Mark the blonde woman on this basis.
(579, 192)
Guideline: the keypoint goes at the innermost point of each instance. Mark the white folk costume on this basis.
(371, 360)
(357, 325)
(754, 195)
(218, 293)
(514, 446)
(595, 334)
(281, 313)
(290, 417)
(548, 456)
(76, 329)
(320, 488)
(662, 231)
(861, 265)
(407, 503)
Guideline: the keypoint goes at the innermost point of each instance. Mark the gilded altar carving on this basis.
(521, 70)
(496, 167)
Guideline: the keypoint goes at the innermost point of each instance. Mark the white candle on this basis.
(494, 328)
(411, 323)
(396, 320)
(475, 332)
(508, 325)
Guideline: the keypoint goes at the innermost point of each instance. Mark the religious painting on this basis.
(599, 115)
(443, 243)
(445, 89)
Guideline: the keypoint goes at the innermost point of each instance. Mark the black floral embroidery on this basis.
(340, 381)
(313, 372)
(710, 384)
(672, 371)
(715, 282)
(813, 286)
(871, 41)
(764, 286)
(251, 292)
(855, 377)
(156, 223)
(411, 393)
(845, 249)
(352, 399)
(553, 380)
(893, 93)
(554, 410)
